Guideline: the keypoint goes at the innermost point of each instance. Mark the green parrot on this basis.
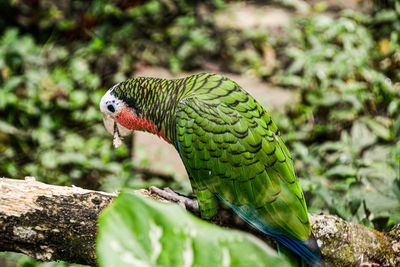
(232, 150)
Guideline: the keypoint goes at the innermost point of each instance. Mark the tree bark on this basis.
(51, 223)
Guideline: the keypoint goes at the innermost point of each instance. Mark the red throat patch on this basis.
(127, 118)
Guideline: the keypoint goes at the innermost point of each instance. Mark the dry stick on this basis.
(50, 223)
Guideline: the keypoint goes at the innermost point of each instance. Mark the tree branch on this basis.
(50, 223)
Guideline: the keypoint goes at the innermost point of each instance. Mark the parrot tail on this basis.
(307, 249)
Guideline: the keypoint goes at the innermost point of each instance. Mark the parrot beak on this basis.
(115, 129)
(112, 126)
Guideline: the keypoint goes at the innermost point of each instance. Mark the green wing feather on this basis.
(231, 147)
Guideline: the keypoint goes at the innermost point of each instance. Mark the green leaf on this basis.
(376, 153)
(12, 83)
(383, 131)
(138, 231)
(341, 170)
(383, 205)
(361, 137)
(78, 98)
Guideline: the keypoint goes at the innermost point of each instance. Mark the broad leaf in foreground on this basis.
(138, 231)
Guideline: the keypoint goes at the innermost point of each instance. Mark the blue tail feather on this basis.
(248, 214)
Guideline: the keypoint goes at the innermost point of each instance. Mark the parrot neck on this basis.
(128, 119)
(147, 125)
(153, 102)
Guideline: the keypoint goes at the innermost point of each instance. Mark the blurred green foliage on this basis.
(57, 58)
(50, 126)
(344, 130)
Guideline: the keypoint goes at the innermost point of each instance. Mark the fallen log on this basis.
(51, 223)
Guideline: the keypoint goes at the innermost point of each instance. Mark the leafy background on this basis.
(57, 58)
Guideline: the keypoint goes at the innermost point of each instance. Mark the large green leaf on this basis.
(138, 231)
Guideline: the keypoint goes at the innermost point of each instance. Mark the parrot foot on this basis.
(169, 194)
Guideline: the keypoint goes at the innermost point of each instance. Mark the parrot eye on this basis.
(111, 108)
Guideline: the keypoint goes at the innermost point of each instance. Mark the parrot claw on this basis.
(168, 194)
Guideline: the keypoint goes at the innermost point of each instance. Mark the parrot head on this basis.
(121, 114)
(117, 116)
